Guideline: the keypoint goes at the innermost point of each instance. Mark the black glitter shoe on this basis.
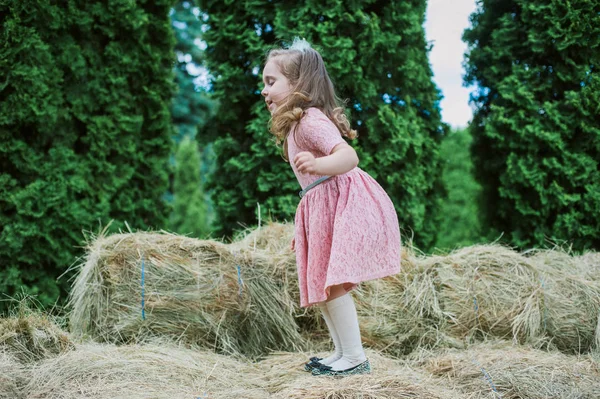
(312, 363)
(363, 368)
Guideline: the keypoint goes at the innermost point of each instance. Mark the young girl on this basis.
(346, 228)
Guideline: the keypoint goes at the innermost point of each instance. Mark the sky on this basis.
(445, 21)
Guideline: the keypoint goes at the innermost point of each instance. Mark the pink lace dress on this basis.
(346, 228)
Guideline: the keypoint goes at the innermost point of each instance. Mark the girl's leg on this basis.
(336, 291)
(345, 321)
(337, 354)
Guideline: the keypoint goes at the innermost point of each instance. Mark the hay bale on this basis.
(31, 336)
(447, 301)
(12, 376)
(192, 294)
(396, 314)
(390, 379)
(149, 371)
(274, 239)
(402, 312)
(589, 265)
(482, 289)
(205, 293)
(570, 299)
(499, 369)
(544, 298)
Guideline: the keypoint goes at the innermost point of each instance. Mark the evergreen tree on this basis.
(85, 130)
(191, 106)
(537, 127)
(376, 54)
(189, 207)
(460, 224)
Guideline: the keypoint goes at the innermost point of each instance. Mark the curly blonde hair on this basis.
(304, 68)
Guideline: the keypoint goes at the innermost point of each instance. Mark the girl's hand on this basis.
(293, 246)
(306, 162)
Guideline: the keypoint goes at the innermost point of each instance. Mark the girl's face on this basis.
(277, 87)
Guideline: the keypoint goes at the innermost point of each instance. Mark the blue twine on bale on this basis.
(476, 305)
(545, 307)
(487, 377)
(239, 273)
(240, 281)
(143, 304)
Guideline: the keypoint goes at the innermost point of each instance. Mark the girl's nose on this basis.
(264, 92)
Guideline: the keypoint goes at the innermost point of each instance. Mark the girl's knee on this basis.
(336, 291)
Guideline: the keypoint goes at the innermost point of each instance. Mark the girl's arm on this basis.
(342, 159)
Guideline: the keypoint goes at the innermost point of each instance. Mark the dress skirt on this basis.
(346, 232)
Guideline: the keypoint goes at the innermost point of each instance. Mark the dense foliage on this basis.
(459, 225)
(191, 108)
(85, 130)
(376, 53)
(189, 216)
(537, 127)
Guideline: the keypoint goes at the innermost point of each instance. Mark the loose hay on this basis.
(149, 371)
(390, 379)
(31, 336)
(389, 386)
(499, 370)
(160, 370)
(12, 376)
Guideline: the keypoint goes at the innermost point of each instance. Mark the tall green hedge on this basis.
(85, 130)
(189, 216)
(191, 106)
(537, 127)
(460, 225)
(376, 54)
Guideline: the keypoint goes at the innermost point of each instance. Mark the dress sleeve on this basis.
(317, 134)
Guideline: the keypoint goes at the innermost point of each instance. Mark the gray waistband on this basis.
(313, 184)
